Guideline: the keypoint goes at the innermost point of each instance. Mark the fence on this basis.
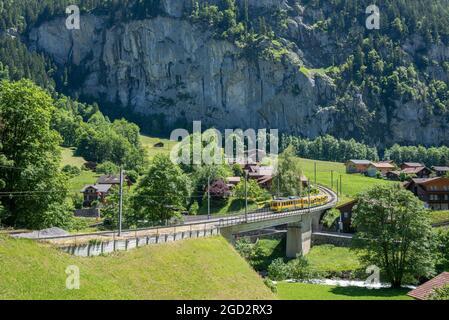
(100, 242)
(96, 248)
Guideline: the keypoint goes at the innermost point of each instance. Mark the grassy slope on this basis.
(191, 269)
(331, 258)
(322, 258)
(440, 216)
(352, 183)
(149, 142)
(301, 291)
(86, 177)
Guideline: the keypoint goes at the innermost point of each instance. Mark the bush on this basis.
(271, 285)
(107, 167)
(71, 171)
(278, 270)
(193, 211)
(330, 217)
(132, 175)
(440, 293)
(299, 268)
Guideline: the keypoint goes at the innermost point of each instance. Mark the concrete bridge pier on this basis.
(299, 237)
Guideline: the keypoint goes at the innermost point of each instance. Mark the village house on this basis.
(95, 192)
(434, 192)
(346, 216)
(357, 166)
(419, 172)
(441, 171)
(408, 165)
(382, 167)
(425, 291)
(113, 179)
(101, 189)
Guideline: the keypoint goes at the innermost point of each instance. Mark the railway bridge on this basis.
(300, 224)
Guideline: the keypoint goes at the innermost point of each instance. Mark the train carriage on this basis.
(295, 203)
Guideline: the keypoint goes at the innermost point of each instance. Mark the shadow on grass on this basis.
(270, 253)
(365, 292)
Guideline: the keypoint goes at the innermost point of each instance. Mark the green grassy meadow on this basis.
(352, 184)
(149, 142)
(191, 269)
(302, 291)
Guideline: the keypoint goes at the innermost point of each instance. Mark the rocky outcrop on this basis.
(167, 66)
(170, 69)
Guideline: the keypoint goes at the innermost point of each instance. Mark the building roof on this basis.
(112, 179)
(413, 164)
(384, 165)
(425, 290)
(426, 180)
(438, 168)
(99, 187)
(365, 162)
(413, 170)
(233, 179)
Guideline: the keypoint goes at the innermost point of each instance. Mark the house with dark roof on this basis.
(406, 165)
(425, 291)
(357, 166)
(95, 192)
(434, 192)
(113, 179)
(440, 170)
(419, 172)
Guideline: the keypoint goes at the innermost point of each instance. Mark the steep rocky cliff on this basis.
(169, 67)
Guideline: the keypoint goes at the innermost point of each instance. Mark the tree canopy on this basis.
(33, 190)
(394, 229)
(161, 194)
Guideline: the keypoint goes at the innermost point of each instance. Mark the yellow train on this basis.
(293, 203)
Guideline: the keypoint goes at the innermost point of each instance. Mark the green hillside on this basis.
(192, 269)
(352, 183)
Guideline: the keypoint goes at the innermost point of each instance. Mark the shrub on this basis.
(132, 175)
(271, 285)
(440, 293)
(300, 269)
(107, 167)
(278, 270)
(193, 211)
(72, 171)
(330, 216)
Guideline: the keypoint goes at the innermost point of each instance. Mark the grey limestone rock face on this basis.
(168, 66)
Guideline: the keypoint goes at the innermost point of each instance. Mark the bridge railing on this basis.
(251, 217)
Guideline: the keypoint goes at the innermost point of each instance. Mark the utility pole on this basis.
(337, 187)
(208, 198)
(120, 210)
(332, 179)
(341, 186)
(246, 196)
(308, 194)
(278, 183)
